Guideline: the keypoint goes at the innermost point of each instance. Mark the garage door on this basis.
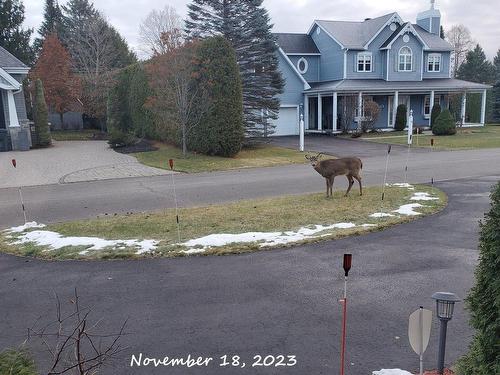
(287, 122)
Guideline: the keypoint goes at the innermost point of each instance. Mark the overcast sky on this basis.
(480, 16)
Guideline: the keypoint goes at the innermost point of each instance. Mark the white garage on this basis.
(288, 121)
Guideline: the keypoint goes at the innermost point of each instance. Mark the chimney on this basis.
(430, 20)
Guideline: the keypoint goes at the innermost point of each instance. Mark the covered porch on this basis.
(327, 105)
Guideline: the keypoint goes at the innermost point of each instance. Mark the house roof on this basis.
(434, 41)
(380, 85)
(8, 60)
(355, 35)
(296, 43)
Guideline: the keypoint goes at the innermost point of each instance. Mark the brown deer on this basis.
(330, 168)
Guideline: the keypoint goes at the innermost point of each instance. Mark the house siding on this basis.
(416, 47)
(445, 66)
(312, 74)
(294, 87)
(331, 65)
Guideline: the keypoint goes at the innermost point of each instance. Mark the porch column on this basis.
(13, 120)
(395, 108)
(431, 104)
(334, 112)
(320, 113)
(306, 111)
(464, 105)
(483, 108)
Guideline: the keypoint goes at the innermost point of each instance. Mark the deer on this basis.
(330, 168)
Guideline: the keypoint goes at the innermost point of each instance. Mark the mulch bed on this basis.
(143, 145)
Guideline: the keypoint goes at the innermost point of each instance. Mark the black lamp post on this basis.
(445, 303)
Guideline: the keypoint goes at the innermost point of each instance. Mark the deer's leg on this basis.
(327, 187)
(358, 177)
(331, 186)
(351, 182)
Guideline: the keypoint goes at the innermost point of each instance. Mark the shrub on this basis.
(483, 300)
(41, 117)
(119, 138)
(445, 125)
(436, 111)
(220, 131)
(16, 362)
(401, 117)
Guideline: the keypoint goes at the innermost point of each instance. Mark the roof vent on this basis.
(367, 19)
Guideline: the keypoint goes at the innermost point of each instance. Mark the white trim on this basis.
(387, 58)
(303, 54)
(16, 70)
(306, 65)
(306, 85)
(14, 85)
(422, 66)
(326, 31)
(334, 111)
(345, 63)
(13, 119)
(407, 29)
(320, 113)
(483, 108)
(405, 62)
(306, 111)
(366, 54)
(395, 18)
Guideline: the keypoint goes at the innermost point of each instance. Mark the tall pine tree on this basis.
(246, 25)
(13, 37)
(52, 22)
(476, 67)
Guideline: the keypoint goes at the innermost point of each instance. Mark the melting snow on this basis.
(403, 185)
(423, 197)
(381, 214)
(391, 372)
(407, 209)
(57, 241)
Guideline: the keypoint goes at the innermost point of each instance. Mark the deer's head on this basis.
(314, 160)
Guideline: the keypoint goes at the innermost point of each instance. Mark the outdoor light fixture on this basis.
(445, 303)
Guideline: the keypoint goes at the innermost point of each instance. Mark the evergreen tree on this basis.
(495, 114)
(41, 116)
(221, 128)
(13, 37)
(441, 32)
(246, 25)
(476, 68)
(483, 300)
(401, 115)
(436, 111)
(52, 22)
(76, 13)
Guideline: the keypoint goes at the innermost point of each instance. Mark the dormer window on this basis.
(364, 62)
(405, 59)
(434, 62)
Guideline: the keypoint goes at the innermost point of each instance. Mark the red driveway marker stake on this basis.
(347, 266)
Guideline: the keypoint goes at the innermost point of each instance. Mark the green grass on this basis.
(466, 138)
(77, 135)
(262, 215)
(258, 156)
(16, 362)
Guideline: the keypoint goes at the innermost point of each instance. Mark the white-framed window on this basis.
(405, 59)
(364, 62)
(434, 62)
(427, 104)
(302, 65)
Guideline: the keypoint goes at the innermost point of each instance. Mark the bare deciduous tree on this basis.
(460, 38)
(77, 345)
(347, 111)
(161, 31)
(371, 112)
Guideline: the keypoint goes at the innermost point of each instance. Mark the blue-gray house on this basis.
(384, 59)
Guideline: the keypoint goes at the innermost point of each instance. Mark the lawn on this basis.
(286, 217)
(16, 362)
(466, 138)
(77, 135)
(258, 156)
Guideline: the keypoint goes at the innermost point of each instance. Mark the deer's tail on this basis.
(361, 162)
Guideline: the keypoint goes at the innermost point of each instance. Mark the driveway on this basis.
(274, 302)
(70, 161)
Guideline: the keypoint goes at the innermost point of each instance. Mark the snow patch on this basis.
(199, 245)
(369, 225)
(408, 209)
(22, 228)
(391, 372)
(402, 185)
(381, 214)
(55, 241)
(423, 197)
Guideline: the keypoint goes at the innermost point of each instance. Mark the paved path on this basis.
(53, 203)
(275, 302)
(70, 161)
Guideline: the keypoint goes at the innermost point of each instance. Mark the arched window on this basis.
(405, 59)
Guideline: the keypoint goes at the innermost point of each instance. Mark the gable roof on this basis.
(294, 69)
(7, 82)
(434, 41)
(296, 43)
(8, 60)
(354, 35)
(405, 28)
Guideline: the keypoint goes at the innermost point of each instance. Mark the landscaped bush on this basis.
(220, 131)
(436, 111)
(401, 117)
(41, 117)
(445, 124)
(483, 300)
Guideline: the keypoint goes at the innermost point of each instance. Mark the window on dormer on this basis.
(434, 62)
(405, 59)
(364, 62)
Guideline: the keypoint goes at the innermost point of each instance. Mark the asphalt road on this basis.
(52, 203)
(275, 302)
